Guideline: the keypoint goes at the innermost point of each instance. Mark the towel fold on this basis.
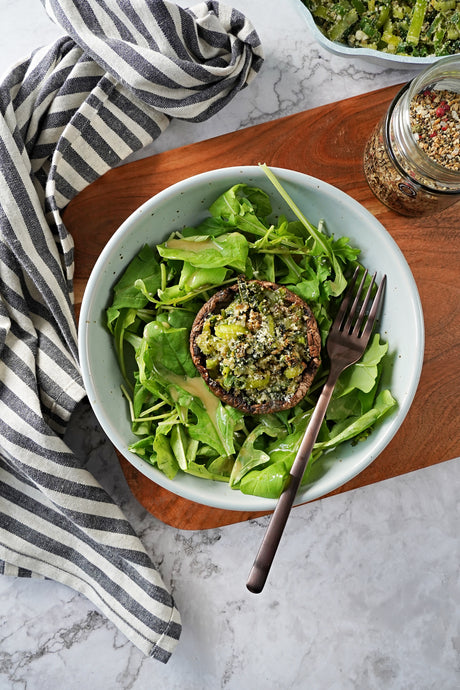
(68, 114)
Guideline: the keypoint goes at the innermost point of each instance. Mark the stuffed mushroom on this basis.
(257, 345)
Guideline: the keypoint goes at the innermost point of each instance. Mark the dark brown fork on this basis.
(346, 342)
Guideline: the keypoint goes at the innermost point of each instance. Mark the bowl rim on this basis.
(225, 502)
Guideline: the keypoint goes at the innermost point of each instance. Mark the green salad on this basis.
(420, 28)
(180, 426)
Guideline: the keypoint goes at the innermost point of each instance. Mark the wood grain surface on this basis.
(328, 143)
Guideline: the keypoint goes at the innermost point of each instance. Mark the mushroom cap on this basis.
(220, 300)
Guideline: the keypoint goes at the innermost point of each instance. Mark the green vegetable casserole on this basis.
(419, 28)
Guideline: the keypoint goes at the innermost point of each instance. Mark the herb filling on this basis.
(257, 346)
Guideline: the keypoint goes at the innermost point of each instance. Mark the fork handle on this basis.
(262, 563)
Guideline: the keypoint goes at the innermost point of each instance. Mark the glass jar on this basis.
(412, 159)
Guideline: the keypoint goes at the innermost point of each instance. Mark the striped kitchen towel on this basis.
(70, 112)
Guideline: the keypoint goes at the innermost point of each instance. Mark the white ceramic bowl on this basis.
(369, 55)
(185, 203)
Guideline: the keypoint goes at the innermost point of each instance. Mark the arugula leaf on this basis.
(221, 466)
(343, 250)
(355, 427)
(157, 451)
(205, 473)
(239, 201)
(364, 373)
(285, 447)
(250, 456)
(204, 429)
(322, 243)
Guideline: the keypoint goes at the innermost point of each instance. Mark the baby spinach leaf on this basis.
(228, 421)
(192, 278)
(221, 466)
(211, 227)
(164, 457)
(143, 267)
(125, 318)
(226, 250)
(268, 482)
(168, 348)
(180, 441)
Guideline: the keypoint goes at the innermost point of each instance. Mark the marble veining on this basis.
(365, 591)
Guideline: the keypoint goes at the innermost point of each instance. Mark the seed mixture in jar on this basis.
(435, 123)
(391, 185)
(257, 346)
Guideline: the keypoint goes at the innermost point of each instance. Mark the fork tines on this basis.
(348, 323)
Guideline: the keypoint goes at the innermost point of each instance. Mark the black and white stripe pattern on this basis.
(68, 114)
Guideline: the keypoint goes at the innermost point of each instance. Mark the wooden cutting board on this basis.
(328, 143)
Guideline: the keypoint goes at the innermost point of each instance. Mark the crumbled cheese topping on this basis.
(257, 347)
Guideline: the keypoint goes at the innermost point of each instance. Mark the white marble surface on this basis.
(365, 591)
